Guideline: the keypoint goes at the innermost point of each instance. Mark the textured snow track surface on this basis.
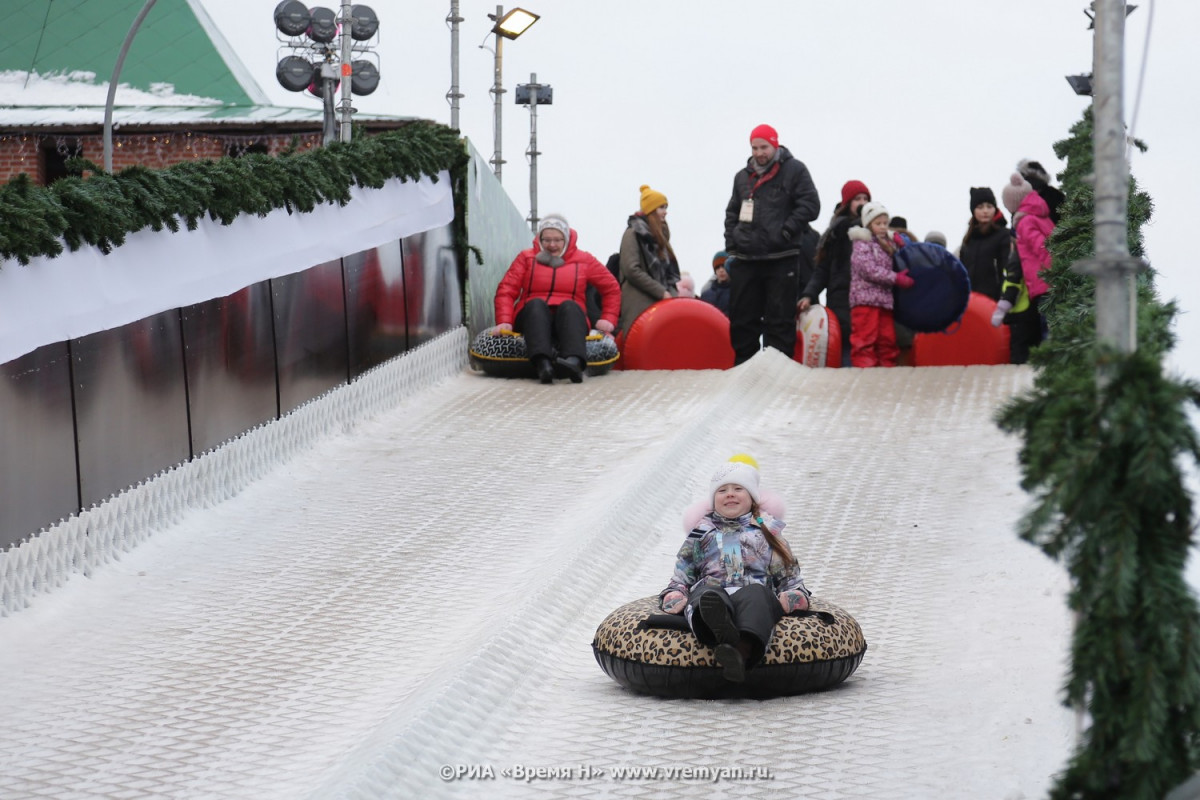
(414, 598)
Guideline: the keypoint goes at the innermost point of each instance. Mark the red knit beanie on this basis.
(765, 132)
(852, 188)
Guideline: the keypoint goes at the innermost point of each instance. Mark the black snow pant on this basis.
(755, 611)
(1025, 331)
(549, 331)
(762, 303)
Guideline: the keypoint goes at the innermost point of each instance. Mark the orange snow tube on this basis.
(974, 341)
(680, 333)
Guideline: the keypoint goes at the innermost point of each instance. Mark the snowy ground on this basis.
(420, 593)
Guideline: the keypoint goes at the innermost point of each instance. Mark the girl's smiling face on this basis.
(731, 500)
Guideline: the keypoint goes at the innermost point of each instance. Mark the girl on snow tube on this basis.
(735, 575)
(741, 623)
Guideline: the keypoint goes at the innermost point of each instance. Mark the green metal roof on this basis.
(176, 44)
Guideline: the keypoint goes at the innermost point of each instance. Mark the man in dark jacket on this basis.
(767, 229)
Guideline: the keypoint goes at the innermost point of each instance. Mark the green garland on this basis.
(1104, 467)
(103, 209)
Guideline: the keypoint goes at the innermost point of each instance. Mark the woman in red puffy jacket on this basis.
(543, 297)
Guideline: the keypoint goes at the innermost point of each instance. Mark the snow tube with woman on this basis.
(503, 355)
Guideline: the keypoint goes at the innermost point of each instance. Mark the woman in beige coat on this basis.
(649, 269)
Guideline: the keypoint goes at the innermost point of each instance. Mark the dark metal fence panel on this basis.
(375, 310)
(229, 350)
(130, 405)
(152, 394)
(431, 285)
(37, 443)
(310, 333)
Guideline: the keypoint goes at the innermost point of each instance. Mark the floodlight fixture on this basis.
(324, 25)
(318, 64)
(534, 94)
(513, 23)
(1081, 84)
(292, 18)
(365, 78)
(364, 23)
(295, 73)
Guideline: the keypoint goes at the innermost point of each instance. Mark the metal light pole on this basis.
(533, 151)
(1114, 269)
(347, 69)
(497, 92)
(454, 95)
(112, 83)
(508, 26)
(533, 94)
(329, 74)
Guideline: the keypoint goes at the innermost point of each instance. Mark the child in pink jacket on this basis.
(872, 276)
(1032, 226)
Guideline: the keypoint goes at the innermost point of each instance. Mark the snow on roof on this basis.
(76, 98)
(20, 89)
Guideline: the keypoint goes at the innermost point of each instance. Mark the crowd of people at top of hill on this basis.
(775, 266)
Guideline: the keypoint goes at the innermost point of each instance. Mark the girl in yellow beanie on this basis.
(649, 269)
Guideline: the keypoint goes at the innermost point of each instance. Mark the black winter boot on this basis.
(574, 367)
(545, 372)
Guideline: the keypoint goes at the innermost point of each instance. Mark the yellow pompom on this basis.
(745, 458)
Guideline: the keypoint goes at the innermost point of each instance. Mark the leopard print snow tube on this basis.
(815, 651)
(503, 355)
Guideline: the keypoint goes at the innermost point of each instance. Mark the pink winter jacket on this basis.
(871, 274)
(1033, 226)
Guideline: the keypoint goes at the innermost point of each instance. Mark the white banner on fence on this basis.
(81, 292)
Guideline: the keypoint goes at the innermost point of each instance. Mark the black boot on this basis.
(574, 367)
(731, 662)
(545, 372)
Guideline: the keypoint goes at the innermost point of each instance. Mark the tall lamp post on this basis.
(508, 26)
(1114, 269)
(533, 94)
(454, 95)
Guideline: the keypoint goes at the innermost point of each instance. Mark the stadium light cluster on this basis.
(310, 35)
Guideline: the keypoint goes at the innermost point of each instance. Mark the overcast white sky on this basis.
(919, 100)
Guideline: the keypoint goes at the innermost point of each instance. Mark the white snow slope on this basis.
(418, 594)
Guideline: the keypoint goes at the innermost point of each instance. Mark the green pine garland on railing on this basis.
(1103, 464)
(103, 209)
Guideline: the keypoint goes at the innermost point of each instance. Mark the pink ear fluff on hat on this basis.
(767, 133)
(769, 503)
